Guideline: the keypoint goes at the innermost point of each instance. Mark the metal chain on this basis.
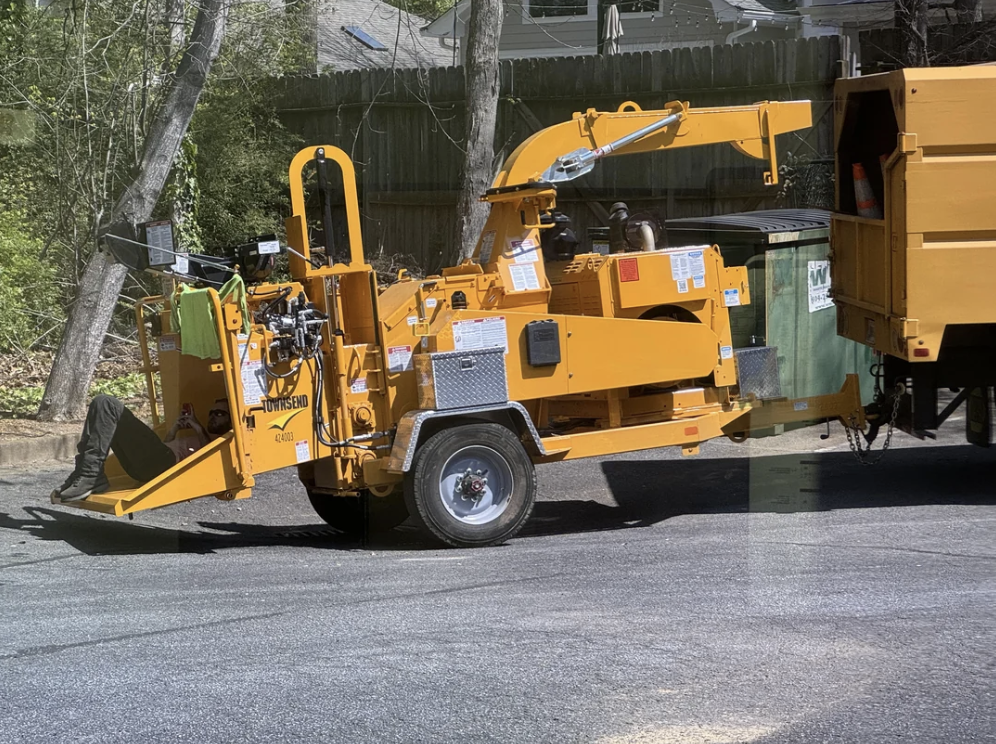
(863, 455)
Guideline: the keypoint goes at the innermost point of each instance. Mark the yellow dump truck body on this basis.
(926, 139)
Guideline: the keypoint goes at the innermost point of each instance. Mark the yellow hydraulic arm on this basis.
(570, 149)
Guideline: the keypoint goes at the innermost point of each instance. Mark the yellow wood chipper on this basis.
(436, 397)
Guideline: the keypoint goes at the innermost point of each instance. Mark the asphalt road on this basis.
(772, 592)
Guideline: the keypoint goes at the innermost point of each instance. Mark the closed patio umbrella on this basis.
(613, 31)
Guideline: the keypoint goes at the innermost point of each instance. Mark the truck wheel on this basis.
(358, 516)
(472, 486)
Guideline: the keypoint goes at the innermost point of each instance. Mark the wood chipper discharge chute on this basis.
(434, 398)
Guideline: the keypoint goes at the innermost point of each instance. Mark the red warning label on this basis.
(629, 270)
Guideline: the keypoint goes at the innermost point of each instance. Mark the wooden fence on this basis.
(405, 128)
(954, 44)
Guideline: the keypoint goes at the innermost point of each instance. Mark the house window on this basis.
(557, 8)
(639, 6)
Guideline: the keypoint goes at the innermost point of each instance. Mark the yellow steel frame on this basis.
(148, 368)
(751, 130)
(735, 420)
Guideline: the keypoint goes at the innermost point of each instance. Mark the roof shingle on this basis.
(396, 30)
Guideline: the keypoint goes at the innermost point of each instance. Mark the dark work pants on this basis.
(111, 426)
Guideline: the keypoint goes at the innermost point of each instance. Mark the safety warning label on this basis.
(359, 385)
(629, 270)
(302, 450)
(399, 358)
(731, 297)
(487, 245)
(181, 265)
(253, 382)
(679, 266)
(525, 251)
(685, 265)
(480, 333)
(524, 277)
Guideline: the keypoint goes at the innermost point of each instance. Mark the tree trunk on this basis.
(72, 371)
(911, 23)
(482, 112)
(968, 11)
(175, 20)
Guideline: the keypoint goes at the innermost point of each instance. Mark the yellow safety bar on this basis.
(296, 224)
(233, 379)
(147, 367)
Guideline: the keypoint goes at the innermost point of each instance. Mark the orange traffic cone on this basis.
(863, 194)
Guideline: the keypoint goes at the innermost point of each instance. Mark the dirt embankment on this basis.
(31, 371)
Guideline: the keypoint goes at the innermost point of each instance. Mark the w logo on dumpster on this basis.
(819, 286)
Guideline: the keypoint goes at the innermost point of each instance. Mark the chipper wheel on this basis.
(358, 516)
(472, 485)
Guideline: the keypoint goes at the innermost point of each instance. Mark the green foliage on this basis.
(242, 155)
(28, 295)
(86, 75)
(126, 387)
(23, 402)
(430, 9)
(82, 83)
(183, 194)
(243, 149)
(20, 402)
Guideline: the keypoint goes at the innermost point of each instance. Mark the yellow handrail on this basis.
(147, 367)
(297, 234)
(233, 388)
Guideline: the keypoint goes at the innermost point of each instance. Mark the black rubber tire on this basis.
(360, 516)
(422, 486)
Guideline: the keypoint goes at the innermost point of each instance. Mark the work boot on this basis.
(81, 486)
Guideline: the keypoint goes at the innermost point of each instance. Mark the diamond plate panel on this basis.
(461, 379)
(757, 372)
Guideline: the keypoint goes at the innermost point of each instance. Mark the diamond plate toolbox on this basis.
(757, 372)
(461, 379)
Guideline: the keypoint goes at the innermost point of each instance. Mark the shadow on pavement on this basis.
(646, 492)
(650, 491)
(95, 536)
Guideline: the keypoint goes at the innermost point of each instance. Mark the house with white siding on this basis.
(558, 28)
(563, 28)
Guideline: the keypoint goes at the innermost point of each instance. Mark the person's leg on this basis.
(141, 453)
(98, 432)
(101, 423)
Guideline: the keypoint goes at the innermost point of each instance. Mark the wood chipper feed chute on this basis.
(211, 471)
(220, 468)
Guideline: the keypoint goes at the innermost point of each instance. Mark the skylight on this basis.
(364, 38)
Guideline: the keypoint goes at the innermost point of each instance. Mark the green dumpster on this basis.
(786, 252)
